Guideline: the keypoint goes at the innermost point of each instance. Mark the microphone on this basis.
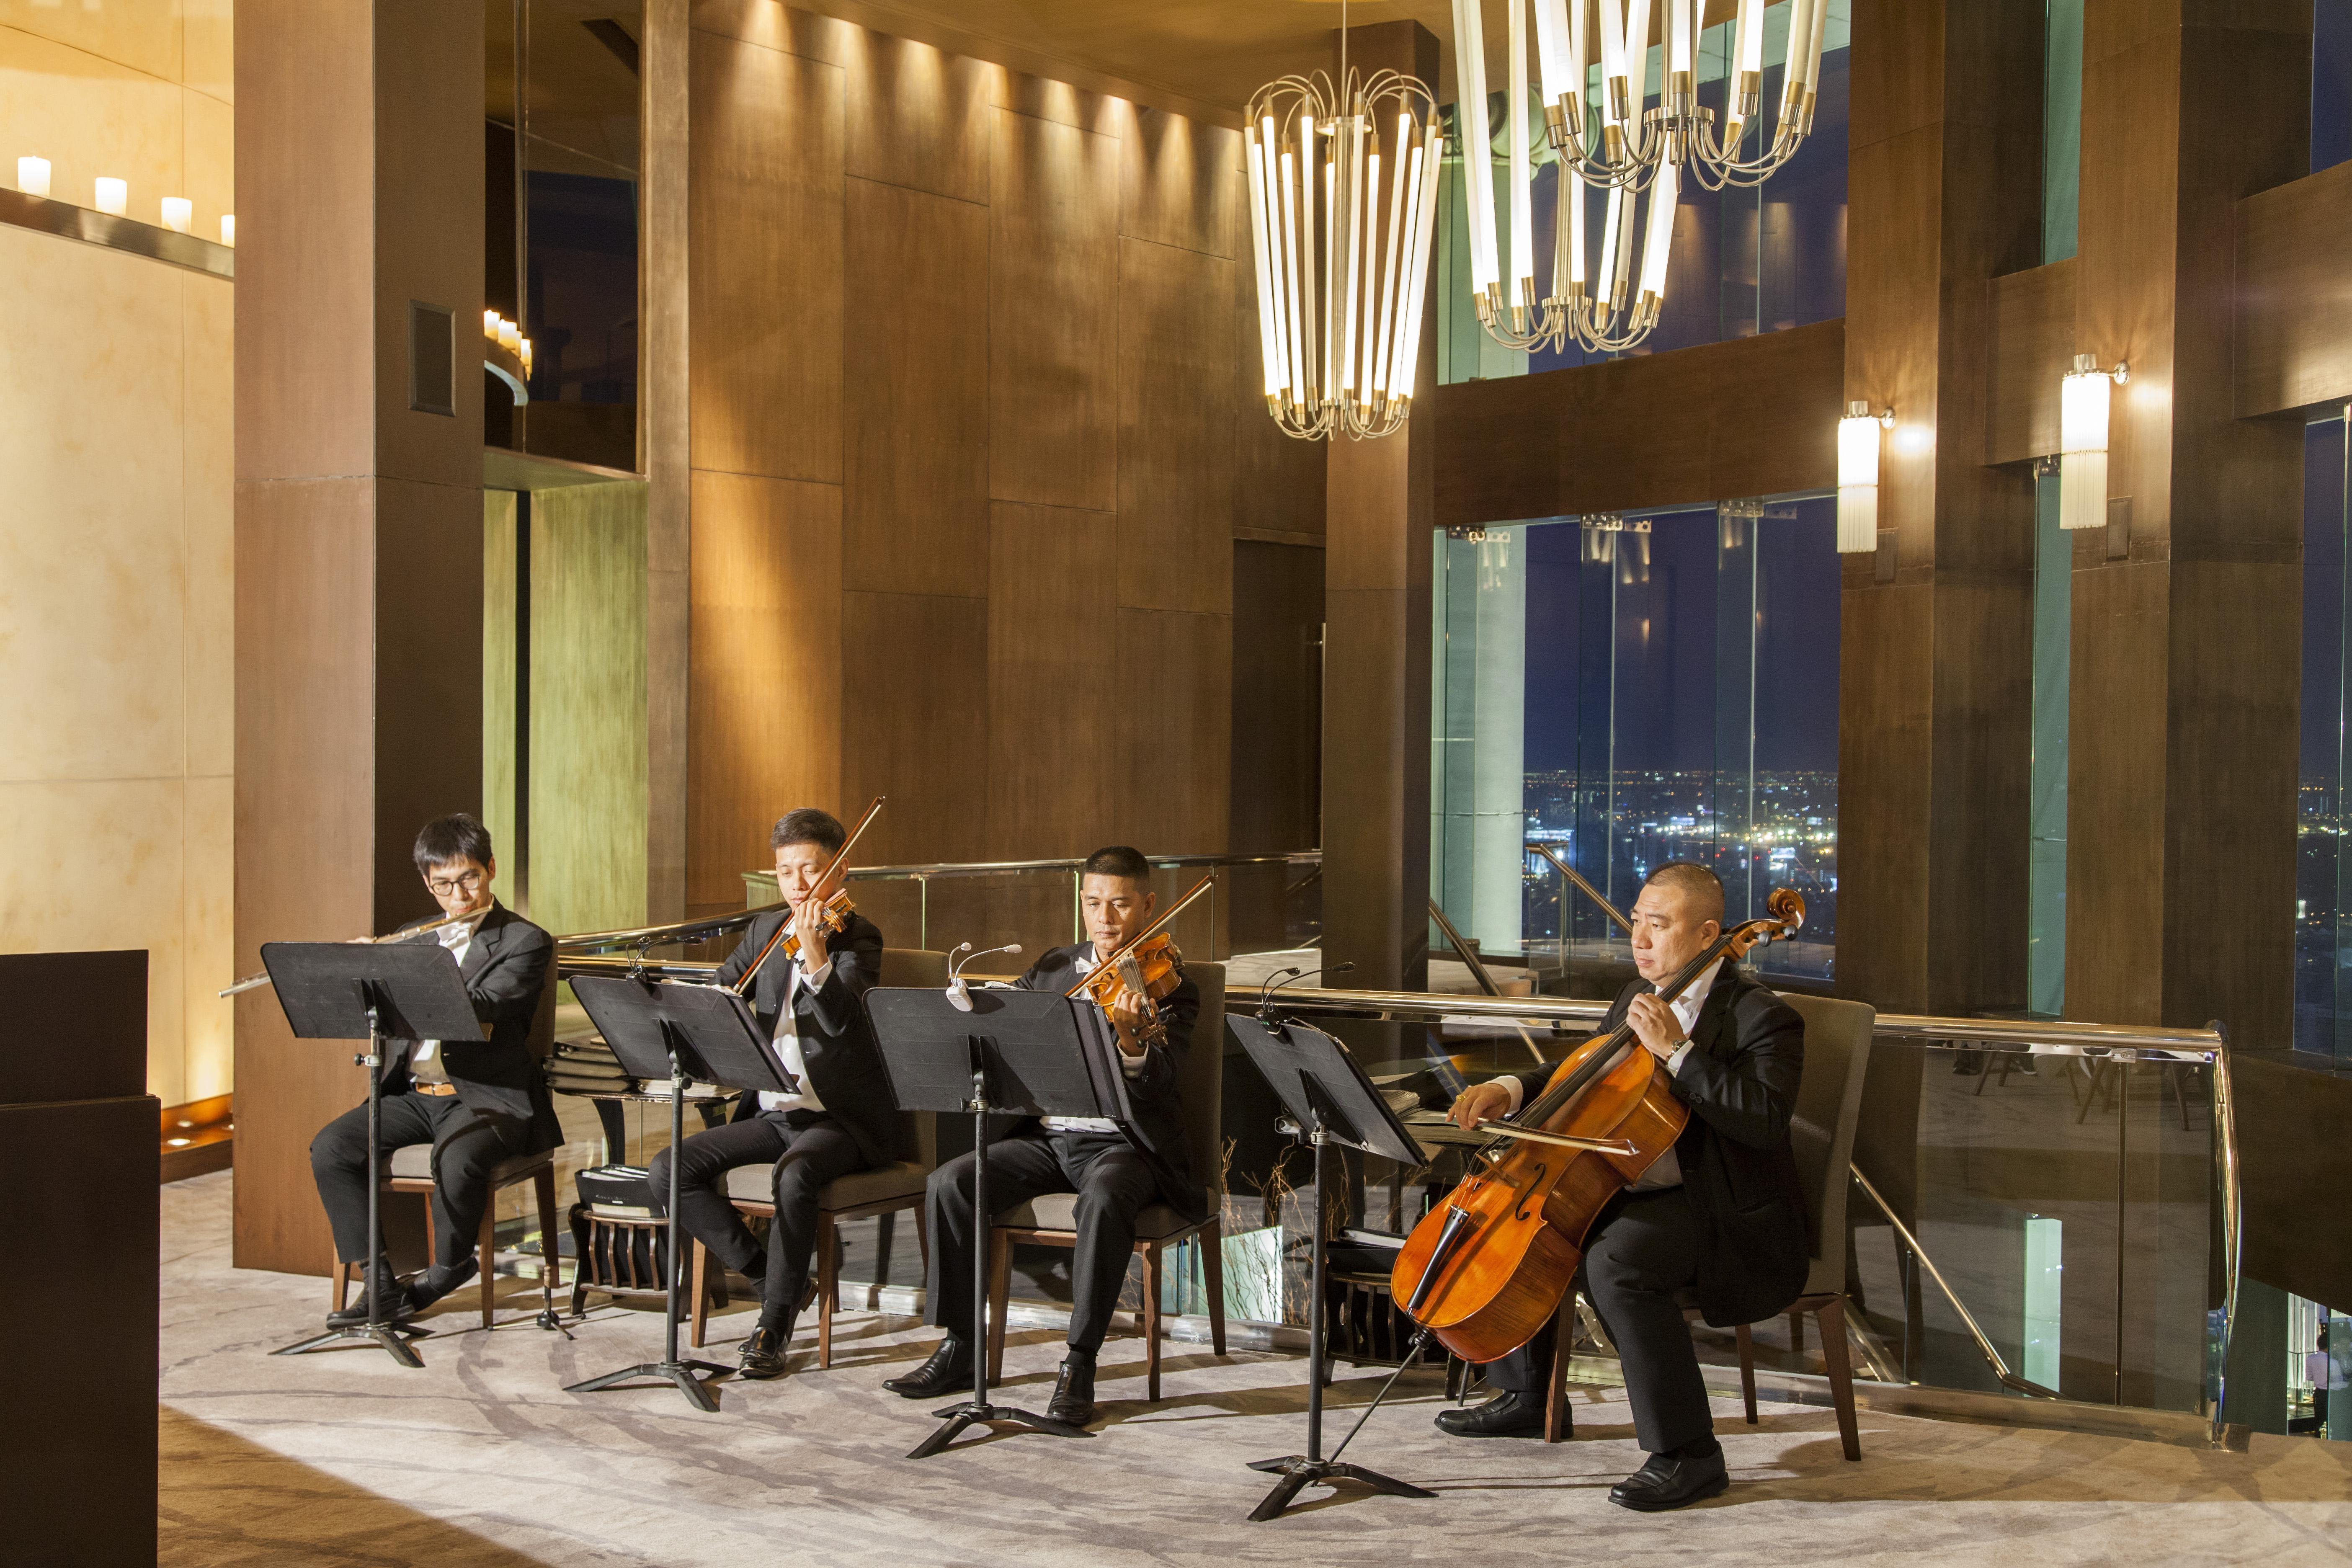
(959, 993)
(1291, 977)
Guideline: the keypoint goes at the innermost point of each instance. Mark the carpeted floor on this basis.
(481, 1457)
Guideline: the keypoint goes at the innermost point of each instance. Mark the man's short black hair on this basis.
(1118, 860)
(1693, 881)
(447, 840)
(809, 826)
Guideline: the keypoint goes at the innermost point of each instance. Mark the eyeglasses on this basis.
(464, 882)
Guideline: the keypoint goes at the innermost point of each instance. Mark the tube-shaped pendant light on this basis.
(2082, 408)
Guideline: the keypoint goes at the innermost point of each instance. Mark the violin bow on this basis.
(784, 927)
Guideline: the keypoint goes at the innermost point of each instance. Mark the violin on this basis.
(836, 910)
(1148, 967)
(1486, 1269)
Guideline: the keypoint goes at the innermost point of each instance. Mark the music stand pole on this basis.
(675, 1370)
(977, 1410)
(1300, 1470)
(377, 1328)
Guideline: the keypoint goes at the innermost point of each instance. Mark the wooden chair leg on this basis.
(1000, 1289)
(487, 1257)
(828, 1287)
(1556, 1387)
(1213, 1274)
(699, 1315)
(1748, 1368)
(1151, 1320)
(1797, 1332)
(1832, 1313)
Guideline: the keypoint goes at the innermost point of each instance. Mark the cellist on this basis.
(1115, 1170)
(1720, 1212)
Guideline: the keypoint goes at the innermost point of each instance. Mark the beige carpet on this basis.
(482, 1458)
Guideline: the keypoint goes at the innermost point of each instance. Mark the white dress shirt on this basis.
(1667, 1171)
(1127, 1064)
(788, 1042)
(424, 1064)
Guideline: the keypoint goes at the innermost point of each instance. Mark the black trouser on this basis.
(807, 1148)
(1113, 1185)
(466, 1146)
(1645, 1248)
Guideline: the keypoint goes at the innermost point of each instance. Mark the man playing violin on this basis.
(1114, 1169)
(836, 1115)
(1721, 1213)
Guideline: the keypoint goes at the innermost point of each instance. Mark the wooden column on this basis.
(359, 519)
(1935, 700)
(1379, 507)
(2187, 649)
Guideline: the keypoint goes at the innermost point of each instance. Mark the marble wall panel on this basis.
(208, 162)
(89, 116)
(208, 523)
(146, 35)
(208, 905)
(91, 560)
(209, 47)
(89, 865)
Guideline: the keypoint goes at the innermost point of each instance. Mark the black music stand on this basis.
(704, 1034)
(1025, 1052)
(1330, 1101)
(351, 991)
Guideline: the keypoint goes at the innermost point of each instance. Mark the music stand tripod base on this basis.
(968, 1413)
(388, 1335)
(680, 1373)
(1298, 1472)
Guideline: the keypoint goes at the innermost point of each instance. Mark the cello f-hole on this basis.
(1535, 1184)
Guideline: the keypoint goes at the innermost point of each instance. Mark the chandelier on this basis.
(1340, 223)
(1604, 300)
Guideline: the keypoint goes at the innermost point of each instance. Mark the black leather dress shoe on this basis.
(1074, 1392)
(948, 1371)
(1666, 1482)
(400, 1304)
(1505, 1415)
(763, 1353)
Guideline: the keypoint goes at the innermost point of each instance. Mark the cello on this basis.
(1486, 1269)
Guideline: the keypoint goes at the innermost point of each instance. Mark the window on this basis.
(1627, 690)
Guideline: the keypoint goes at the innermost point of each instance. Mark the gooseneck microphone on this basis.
(959, 993)
(1291, 976)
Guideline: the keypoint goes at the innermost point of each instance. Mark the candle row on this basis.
(113, 198)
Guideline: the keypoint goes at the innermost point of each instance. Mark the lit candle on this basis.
(113, 195)
(228, 229)
(33, 177)
(509, 336)
(490, 325)
(179, 213)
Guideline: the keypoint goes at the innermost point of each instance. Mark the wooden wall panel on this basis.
(1277, 697)
(1174, 727)
(665, 403)
(1753, 417)
(2294, 306)
(918, 118)
(2032, 349)
(914, 723)
(765, 609)
(1052, 315)
(915, 393)
(1180, 183)
(1053, 693)
(1175, 430)
(765, 200)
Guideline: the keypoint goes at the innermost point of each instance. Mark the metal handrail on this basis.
(1000, 867)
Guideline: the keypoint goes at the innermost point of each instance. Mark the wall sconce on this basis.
(113, 196)
(228, 230)
(179, 213)
(33, 177)
(2083, 400)
(1857, 478)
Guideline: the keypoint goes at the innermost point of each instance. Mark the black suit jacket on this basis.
(1739, 1080)
(1157, 1130)
(510, 963)
(836, 1036)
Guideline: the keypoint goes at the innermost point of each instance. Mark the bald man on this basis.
(1719, 1213)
